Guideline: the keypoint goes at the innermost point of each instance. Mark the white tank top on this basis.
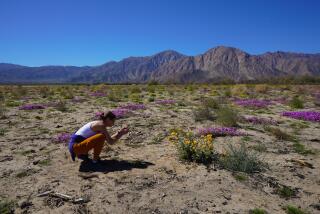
(86, 131)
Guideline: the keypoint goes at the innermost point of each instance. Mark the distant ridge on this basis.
(216, 64)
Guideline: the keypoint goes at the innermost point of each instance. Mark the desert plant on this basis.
(240, 159)
(257, 211)
(301, 149)
(240, 176)
(261, 88)
(279, 134)
(2, 97)
(210, 103)
(193, 148)
(2, 131)
(114, 97)
(285, 192)
(227, 116)
(19, 91)
(202, 113)
(7, 206)
(239, 90)
(61, 105)
(45, 92)
(295, 102)
(135, 89)
(45, 162)
(2, 112)
(259, 147)
(290, 209)
(135, 97)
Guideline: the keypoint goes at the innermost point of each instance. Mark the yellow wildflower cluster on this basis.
(204, 142)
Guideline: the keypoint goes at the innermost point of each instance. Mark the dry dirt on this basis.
(142, 172)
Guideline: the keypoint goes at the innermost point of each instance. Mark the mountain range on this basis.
(217, 64)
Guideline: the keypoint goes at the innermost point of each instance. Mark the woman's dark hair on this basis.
(109, 115)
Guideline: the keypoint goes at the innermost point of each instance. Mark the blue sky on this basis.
(92, 32)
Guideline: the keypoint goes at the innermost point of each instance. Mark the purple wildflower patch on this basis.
(258, 120)
(165, 102)
(303, 115)
(97, 94)
(120, 112)
(253, 103)
(133, 106)
(220, 131)
(62, 138)
(32, 106)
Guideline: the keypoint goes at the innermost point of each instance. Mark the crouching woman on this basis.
(92, 136)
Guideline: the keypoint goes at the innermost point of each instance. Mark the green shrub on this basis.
(193, 148)
(2, 112)
(290, 209)
(202, 113)
(257, 211)
(285, 192)
(227, 116)
(7, 207)
(45, 92)
(296, 102)
(279, 134)
(12, 103)
(259, 147)
(240, 176)
(61, 105)
(114, 97)
(301, 149)
(2, 131)
(135, 90)
(210, 103)
(240, 159)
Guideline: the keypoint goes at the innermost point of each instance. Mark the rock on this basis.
(25, 204)
(315, 206)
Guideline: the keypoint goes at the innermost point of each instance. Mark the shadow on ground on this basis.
(113, 165)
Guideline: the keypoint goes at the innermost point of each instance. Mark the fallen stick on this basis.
(45, 193)
(62, 196)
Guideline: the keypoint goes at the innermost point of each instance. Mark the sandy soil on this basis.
(142, 173)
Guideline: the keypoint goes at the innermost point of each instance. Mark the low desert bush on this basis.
(210, 103)
(240, 159)
(61, 105)
(7, 206)
(227, 116)
(2, 111)
(257, 211)
(290, 209)
(202, 113)
(192, 147)
(285, 192)
(296, 102)
(279, 134)
(301, 149)
(261, 89)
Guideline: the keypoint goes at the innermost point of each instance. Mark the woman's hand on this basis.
(123, 131)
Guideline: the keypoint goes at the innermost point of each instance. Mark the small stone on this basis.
(25, 204)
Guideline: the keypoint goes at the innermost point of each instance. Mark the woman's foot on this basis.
(96, 161)
(84, 157)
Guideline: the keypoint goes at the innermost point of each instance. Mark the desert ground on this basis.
(144, 171)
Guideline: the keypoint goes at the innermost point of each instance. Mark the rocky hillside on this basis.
(216, 64)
